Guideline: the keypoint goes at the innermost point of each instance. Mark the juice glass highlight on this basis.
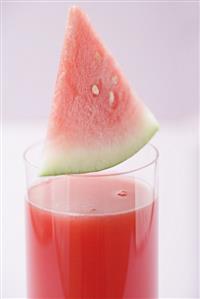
(93, 236)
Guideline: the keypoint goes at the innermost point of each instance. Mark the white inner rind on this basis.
(81, 160)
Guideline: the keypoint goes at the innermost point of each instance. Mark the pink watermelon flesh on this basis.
(96, 121)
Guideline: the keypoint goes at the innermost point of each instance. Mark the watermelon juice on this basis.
(92, 238)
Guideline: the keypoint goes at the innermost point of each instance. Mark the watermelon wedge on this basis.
(96, 120)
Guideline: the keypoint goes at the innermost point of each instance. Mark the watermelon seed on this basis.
(93, 210)
(97, 56)
(122, 193)
(111, 98)
(95, 90)
(114, 80)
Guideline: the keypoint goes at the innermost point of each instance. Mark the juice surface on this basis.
(92, 238)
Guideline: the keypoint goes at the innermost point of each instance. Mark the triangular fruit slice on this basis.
(96, 121)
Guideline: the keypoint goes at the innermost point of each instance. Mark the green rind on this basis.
(85, 161)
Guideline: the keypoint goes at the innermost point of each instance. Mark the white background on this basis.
(156, 46)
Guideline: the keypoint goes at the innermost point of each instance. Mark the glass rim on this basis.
(96, 173)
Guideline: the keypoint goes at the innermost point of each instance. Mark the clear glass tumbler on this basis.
(93, 235)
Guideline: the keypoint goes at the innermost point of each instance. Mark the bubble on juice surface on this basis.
(92, 210)
(122, 193)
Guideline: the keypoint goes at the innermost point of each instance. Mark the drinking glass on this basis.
(93, 235)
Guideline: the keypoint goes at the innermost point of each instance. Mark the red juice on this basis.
(92, 237)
